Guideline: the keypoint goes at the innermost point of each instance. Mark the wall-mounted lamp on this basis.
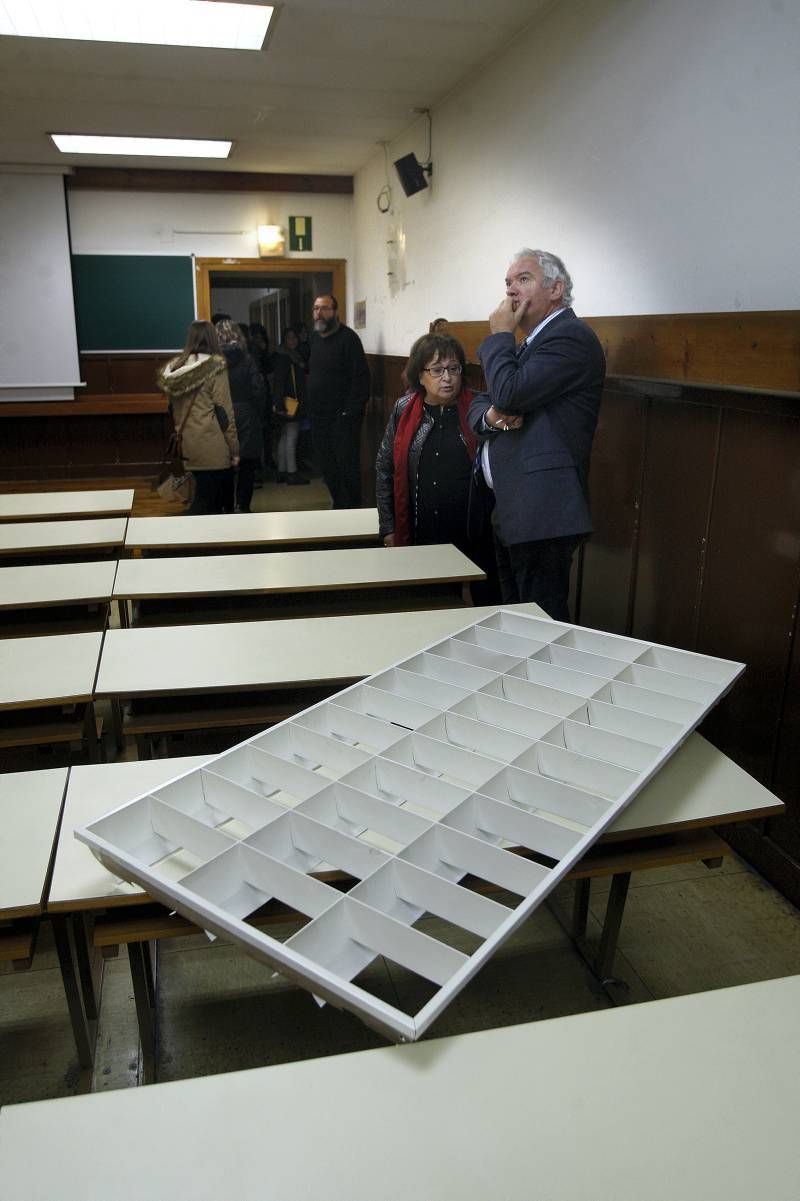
(270, 240)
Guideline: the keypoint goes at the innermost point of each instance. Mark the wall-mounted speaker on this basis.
(412, 174)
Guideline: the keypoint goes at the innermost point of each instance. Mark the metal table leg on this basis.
(143, 977)
(76, 974)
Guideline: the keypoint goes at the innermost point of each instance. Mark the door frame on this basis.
(272, 266)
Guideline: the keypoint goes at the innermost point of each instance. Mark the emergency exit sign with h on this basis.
(300, 233)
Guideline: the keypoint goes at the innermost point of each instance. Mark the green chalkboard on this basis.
(132, 302)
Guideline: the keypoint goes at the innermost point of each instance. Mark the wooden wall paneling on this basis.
(675, 510)
(96, 375)
(785, 830)
(615, 482)
(741, 350)
(737, 350)
(749, 587)
(92, 443)
(135, 374)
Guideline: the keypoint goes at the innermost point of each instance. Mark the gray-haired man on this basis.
(538, 420)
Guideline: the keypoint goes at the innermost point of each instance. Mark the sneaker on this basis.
(295, 478)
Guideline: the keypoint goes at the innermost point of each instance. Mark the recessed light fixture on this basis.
(89, 143)
(209, 23)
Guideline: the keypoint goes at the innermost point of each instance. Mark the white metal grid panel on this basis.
(498, 754)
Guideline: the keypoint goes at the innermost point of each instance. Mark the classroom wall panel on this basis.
(609, 560)
(674, 516)
(750, 578)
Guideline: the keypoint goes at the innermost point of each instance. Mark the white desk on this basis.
(253, 673)
(30, 803)
(61, 538)
(59, 670)
(240, 530)
(296, 581)
(61, 594)
(269, 654)
(49, 675)
(694, 1097)
(38, 506)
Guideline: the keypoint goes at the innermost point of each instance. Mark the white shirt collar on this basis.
(541, 325)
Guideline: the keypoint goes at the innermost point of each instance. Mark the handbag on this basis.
(174, 482)
(290, 403)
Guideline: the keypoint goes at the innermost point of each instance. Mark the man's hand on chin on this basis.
(505, 318)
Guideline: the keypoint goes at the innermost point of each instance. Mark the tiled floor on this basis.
(686, 929)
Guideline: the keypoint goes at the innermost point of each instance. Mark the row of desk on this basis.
(39, 540)
(59, 596)
(165, 679)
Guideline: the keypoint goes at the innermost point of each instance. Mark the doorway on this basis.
(274, 292)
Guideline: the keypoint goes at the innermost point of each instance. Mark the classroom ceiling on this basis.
(336, 78)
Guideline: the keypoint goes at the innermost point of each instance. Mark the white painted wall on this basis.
(38, 345)
(209, 225)
(653, 144)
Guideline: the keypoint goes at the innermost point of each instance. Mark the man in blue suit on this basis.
(537, 421)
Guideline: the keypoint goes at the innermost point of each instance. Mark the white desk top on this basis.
(29, 536)
(292, 571)
(30, 802)
(693, 1097)
(48, 671)
(249, 529)
(32, 506)
(261, 654)
(55, 584)
(699, 786)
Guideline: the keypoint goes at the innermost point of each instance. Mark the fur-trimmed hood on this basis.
(191, 376)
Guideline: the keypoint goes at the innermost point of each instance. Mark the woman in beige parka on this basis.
(196, 385)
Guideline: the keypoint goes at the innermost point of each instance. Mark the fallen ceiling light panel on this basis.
(515, 733)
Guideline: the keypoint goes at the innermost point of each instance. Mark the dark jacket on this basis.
(338, 383)
(540, 472)
(384, 465)
(287, 382)
(249, 397)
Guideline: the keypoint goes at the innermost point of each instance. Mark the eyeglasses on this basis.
(436, 372)
(323, 308)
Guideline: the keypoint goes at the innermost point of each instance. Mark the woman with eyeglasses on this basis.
(424, 464)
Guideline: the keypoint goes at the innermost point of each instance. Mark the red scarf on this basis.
(407, 426)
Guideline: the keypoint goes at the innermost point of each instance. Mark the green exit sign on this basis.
(299, 233)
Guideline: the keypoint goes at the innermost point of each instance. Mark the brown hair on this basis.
(430, 346)
(201, 338)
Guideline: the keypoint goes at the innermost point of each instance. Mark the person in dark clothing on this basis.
(338, 389)
(265, 361)
(249, 397)
(303, 341)
(290, 385)
(537, 420)
(424, 467)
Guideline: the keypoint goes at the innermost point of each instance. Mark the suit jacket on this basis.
(540, 472)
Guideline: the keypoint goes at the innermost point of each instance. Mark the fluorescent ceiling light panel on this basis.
(83, 143)
(209, 23)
